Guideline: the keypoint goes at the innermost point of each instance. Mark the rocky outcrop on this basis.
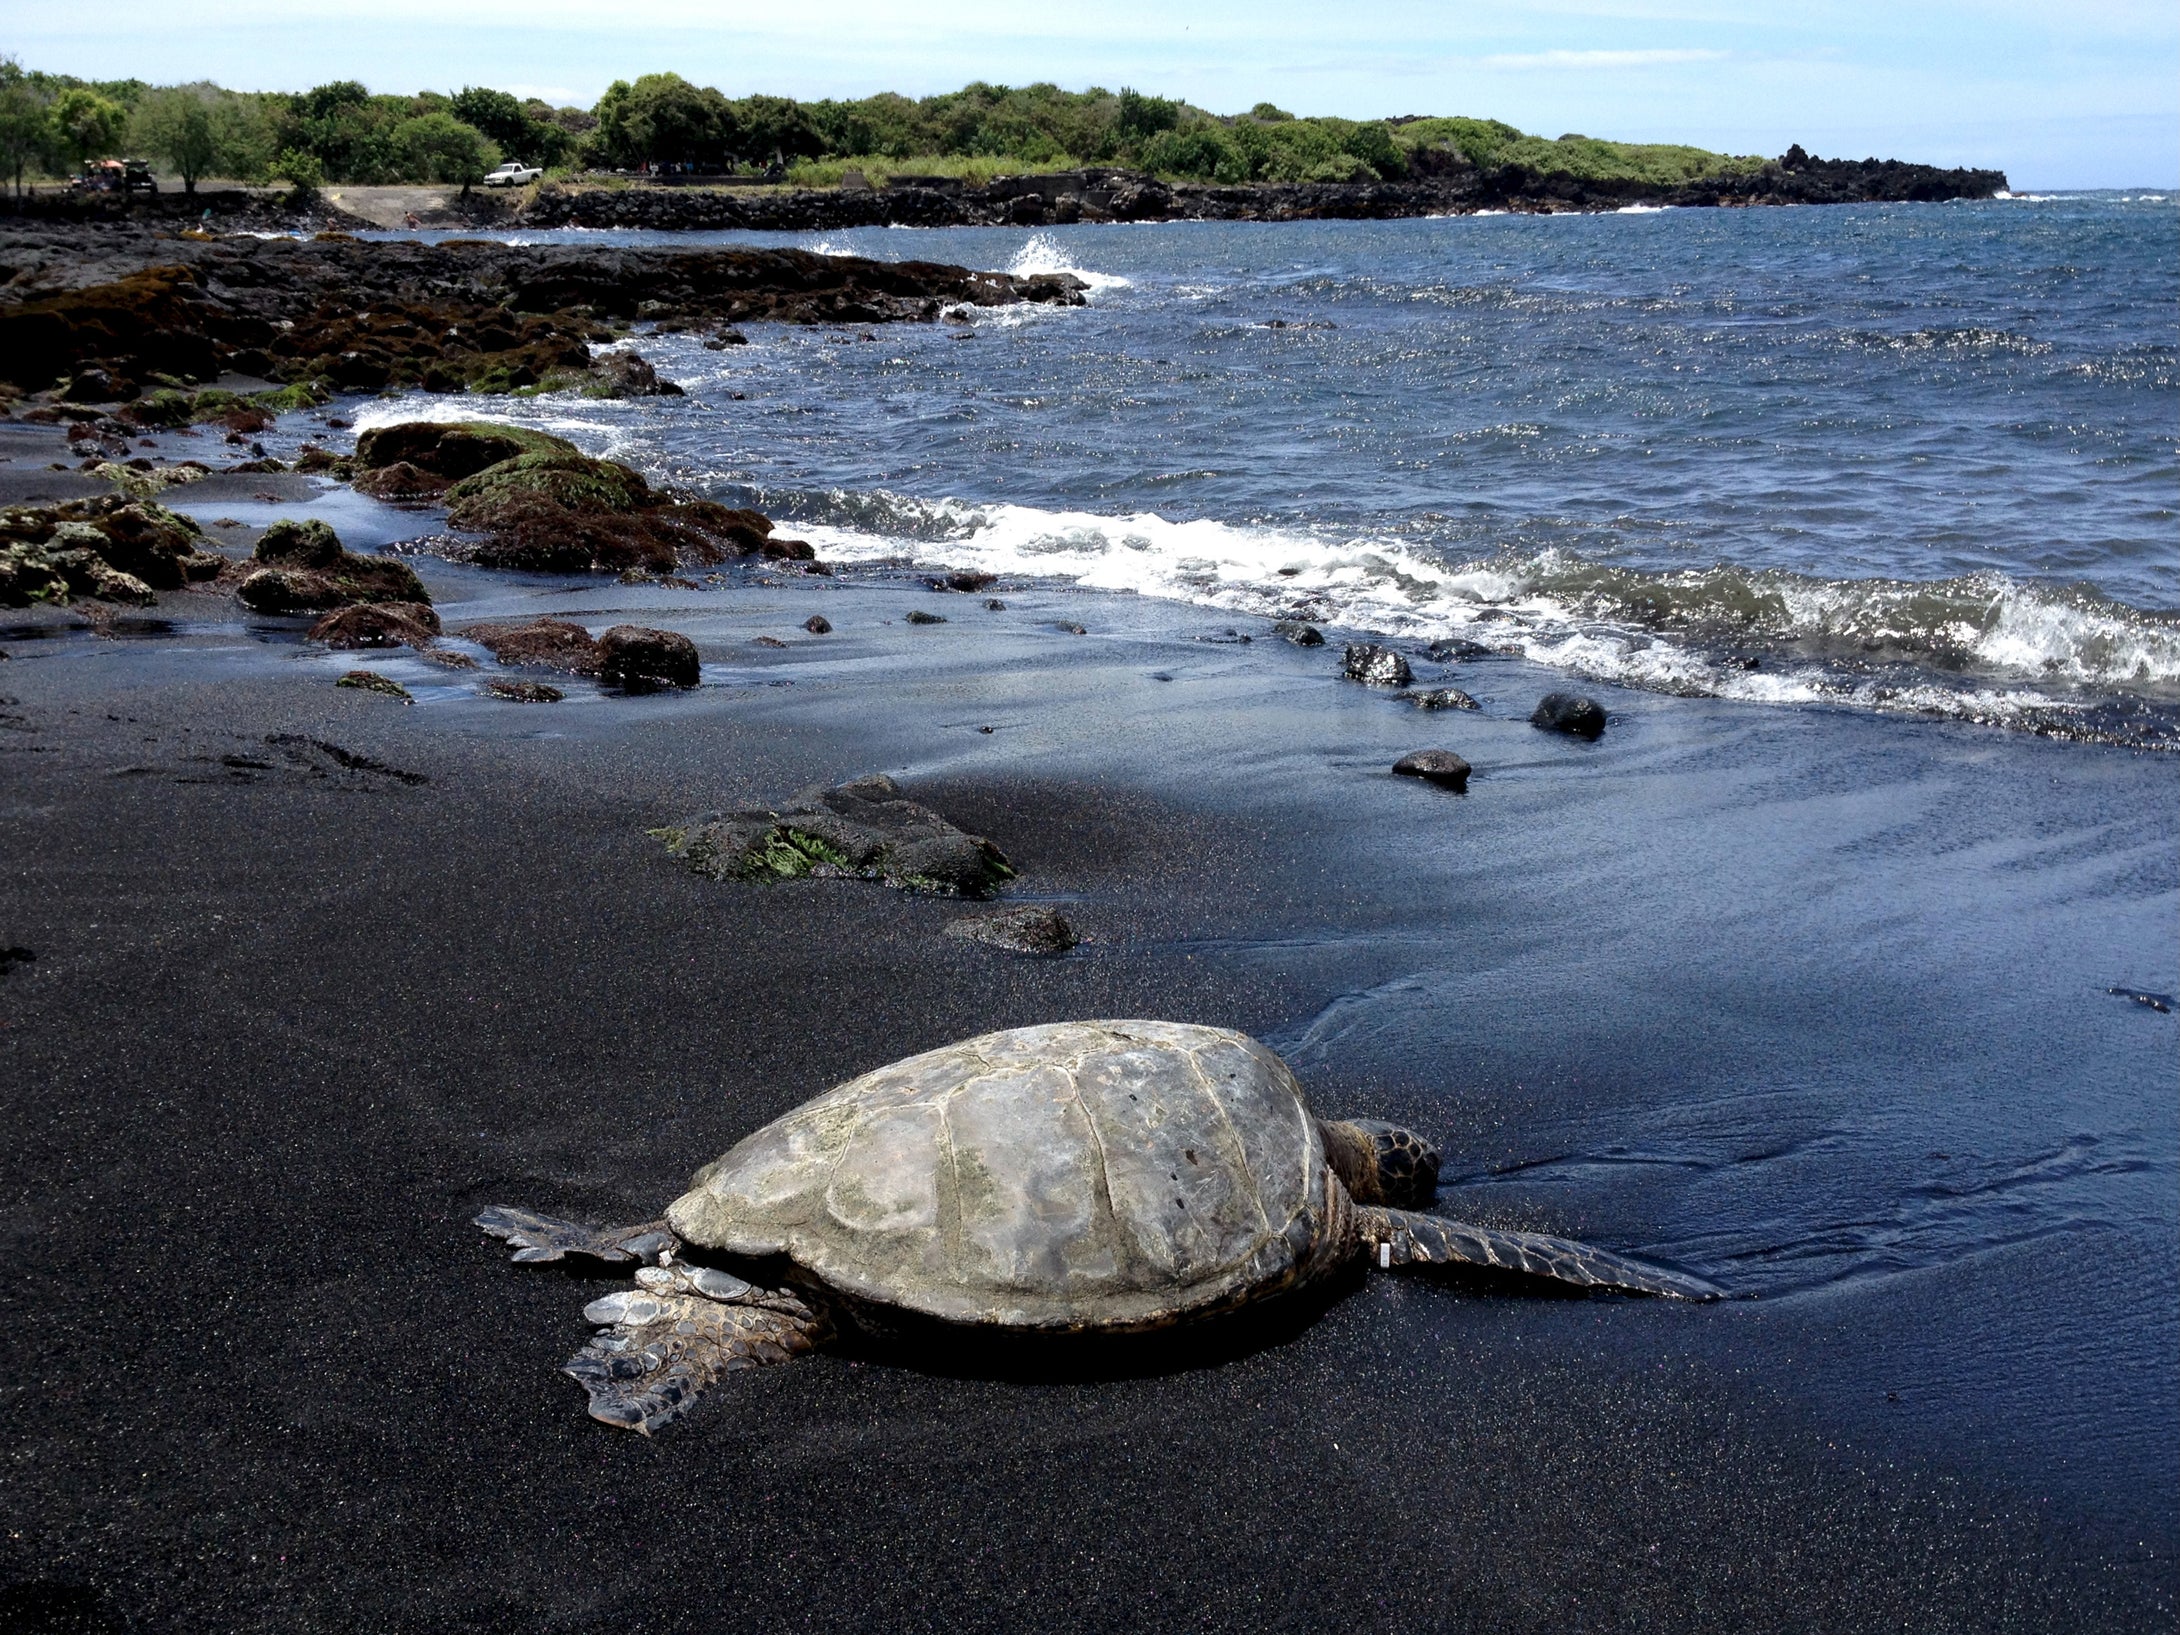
(120, 305)
(109, 549)
(1439, 183)
(378, 624)
(641, 659)
(304, 569)
(543, 505)
(864, 830)
(540, 644)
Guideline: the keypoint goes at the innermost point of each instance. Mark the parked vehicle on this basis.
(114, 176)
(513, 174)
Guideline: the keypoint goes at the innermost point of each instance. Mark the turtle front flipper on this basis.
(1400, 1237)
(547, 1237)
(681, 1329)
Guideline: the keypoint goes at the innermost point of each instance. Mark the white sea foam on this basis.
(1044, 254)
(1679, 633)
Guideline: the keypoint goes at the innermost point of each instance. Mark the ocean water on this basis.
(1914, 458)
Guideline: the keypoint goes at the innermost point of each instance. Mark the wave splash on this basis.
(2057, 659)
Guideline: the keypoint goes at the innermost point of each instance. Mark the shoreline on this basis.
(287, 1028)
(1092, 194)
(1845, 1011)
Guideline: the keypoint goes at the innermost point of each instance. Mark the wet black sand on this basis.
(1718, 984)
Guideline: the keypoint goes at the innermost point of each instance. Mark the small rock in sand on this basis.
(1027, 929)
(522, 692)
(769, 641)
(1439, 766)
(641, 659)
(541, 644)
(1569, 713)
(818, 625)
(1376, 666)
(1302, 635)
(378, 624)
(994, 605)
(917, 615)
(370, 681)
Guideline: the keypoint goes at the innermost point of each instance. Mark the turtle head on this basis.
(1381, 1163)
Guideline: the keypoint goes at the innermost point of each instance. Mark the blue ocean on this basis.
(1910, 458)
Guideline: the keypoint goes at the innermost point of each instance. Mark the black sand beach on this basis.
(1812, 1003)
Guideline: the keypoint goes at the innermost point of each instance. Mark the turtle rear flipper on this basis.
(1400, 1237)
(547, 1237)
(660, 1350)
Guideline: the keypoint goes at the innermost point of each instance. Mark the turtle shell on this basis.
(1079, 1175)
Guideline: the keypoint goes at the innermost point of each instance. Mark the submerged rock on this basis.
(1439, 766)
(1375, 666)
(862, 830)
(1443, 698)
(1302, 635)
(1569, 713)
(917, 615)
(1029, 928)
(642, 659)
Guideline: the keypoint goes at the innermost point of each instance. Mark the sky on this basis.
(2082, 94)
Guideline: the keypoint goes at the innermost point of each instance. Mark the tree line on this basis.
(343, 132)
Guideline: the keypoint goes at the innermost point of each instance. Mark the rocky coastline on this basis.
(1450, 186)
(1065, 197)
(104, 314)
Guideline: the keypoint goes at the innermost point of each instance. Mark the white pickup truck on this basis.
(513, 174)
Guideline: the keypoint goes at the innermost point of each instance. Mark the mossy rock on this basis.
(568, 479)
(453, 449)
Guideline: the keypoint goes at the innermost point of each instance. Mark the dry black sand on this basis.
(288, 1027)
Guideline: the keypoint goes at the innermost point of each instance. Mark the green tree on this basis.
(663, 119)
(437, 147)
(176, 123)
(88, 124)
(26, 123)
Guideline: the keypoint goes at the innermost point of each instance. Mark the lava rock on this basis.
(378, 624)
(862, 830)
(1453, 649)
(1439, 766)
(540, 644)
(370, 681)
(818, 625)
(521, 692)
(306, 570)
(628, 374)
(1443, 698)
(642, 659)
(1569, 713)
(1375, 666)
(917, 615)
(1302, 635)
(1029, 928)
(970, 581)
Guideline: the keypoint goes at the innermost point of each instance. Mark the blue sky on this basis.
(2077, 95)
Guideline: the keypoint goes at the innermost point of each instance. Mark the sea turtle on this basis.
(1080, 1177)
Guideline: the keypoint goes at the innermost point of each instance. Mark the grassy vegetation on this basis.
(342, 132)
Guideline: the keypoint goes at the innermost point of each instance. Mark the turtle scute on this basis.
(1079, 1175)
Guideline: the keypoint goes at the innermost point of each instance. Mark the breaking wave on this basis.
(2062, 660)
